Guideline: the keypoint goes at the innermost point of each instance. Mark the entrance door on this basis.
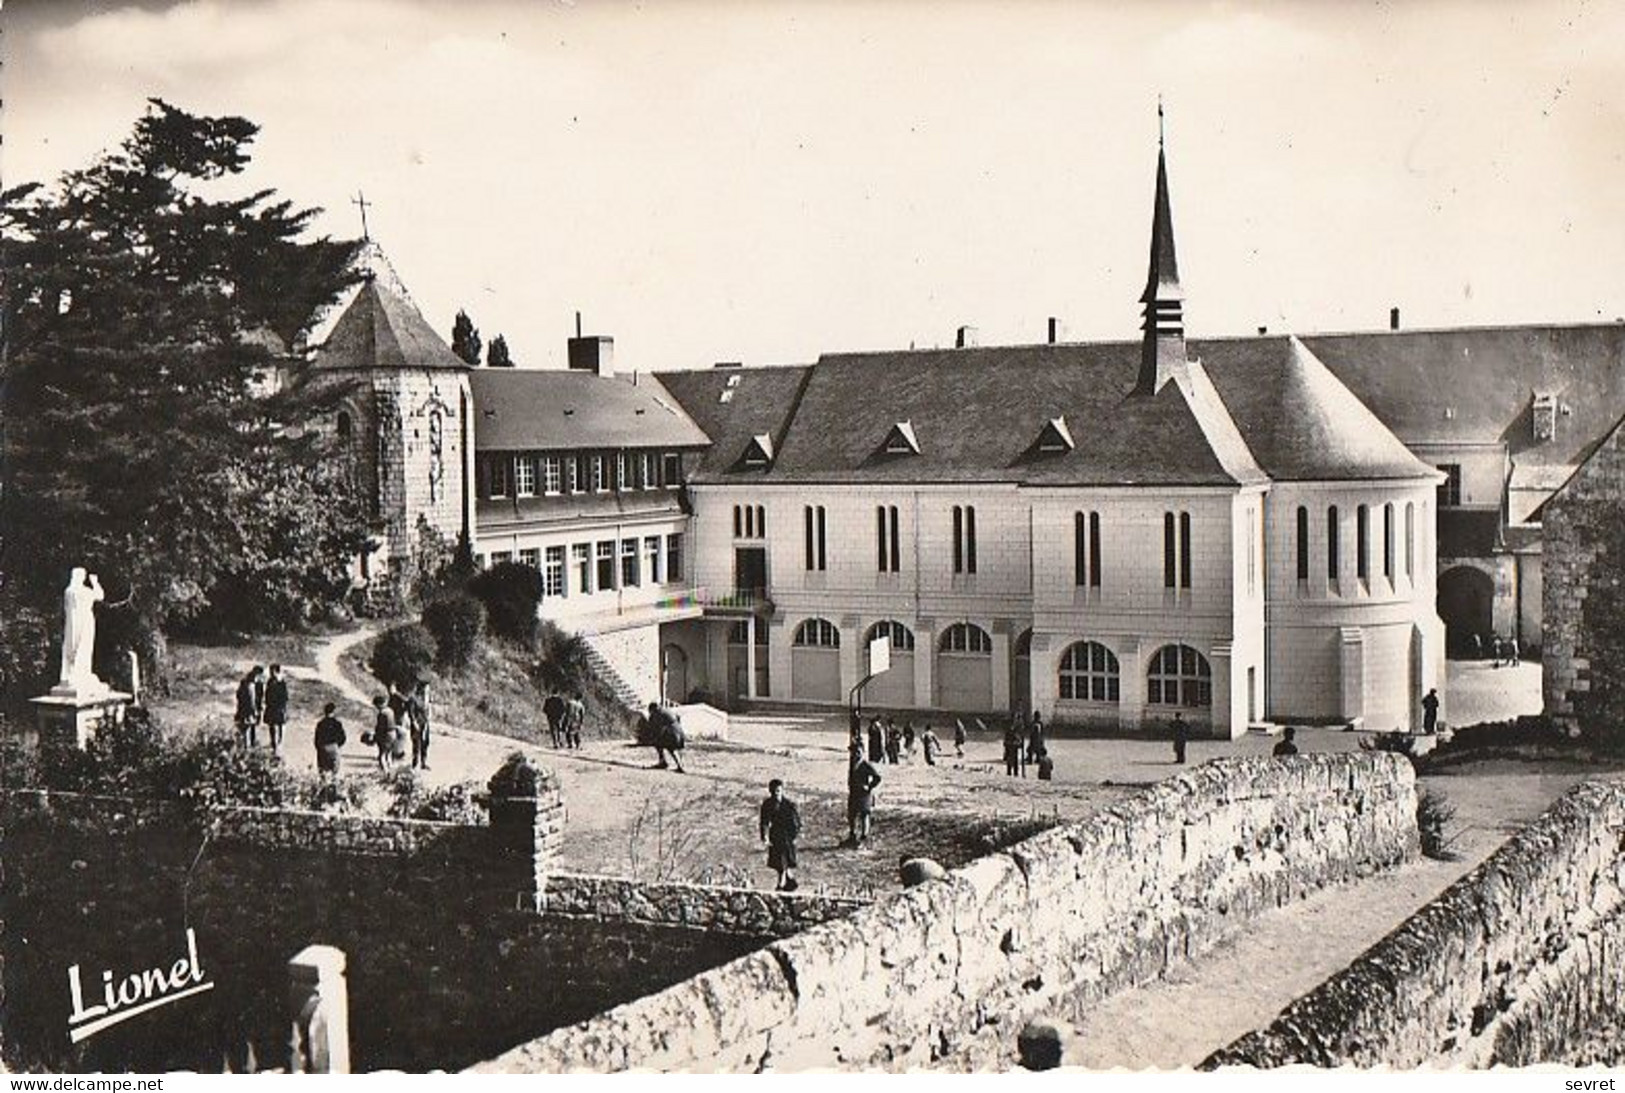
(674, 673)
(750, 571)
(1466, 604)
(1021, 673)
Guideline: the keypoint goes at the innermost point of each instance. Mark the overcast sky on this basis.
(767, 181)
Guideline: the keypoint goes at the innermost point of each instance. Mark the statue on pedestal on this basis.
(79, 602)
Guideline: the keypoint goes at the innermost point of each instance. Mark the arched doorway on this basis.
(965, 668)
(1021, 675)
(674, 674)
(1466, 600)
(895, 686)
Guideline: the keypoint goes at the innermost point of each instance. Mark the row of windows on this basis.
(1362, 542)
(963, 637)
(750, 522)
(528, 474)
(591, 567)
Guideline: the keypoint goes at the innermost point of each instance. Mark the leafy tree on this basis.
(511, 593)
(145, 435)
(456, 621)
(496, 355)
(402, 655)
(465, 338)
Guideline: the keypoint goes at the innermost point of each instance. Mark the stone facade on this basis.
(744, 912)
(1512, 965)
(1069, 916)
(1580, 523)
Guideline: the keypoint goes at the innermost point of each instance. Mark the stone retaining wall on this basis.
(742, 911)
(1075, 913)
(1513, 964)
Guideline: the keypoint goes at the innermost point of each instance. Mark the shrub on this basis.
(519, 777)
(455, 621)
(511, 593)
(212, 771)
(562, 666)
(457, 803)
(402, 655)
(1434, 812)
(330, 794)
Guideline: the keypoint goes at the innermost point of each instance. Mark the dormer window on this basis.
(759, 452)
(1545, 416)
(901, 440)
(1055, 437)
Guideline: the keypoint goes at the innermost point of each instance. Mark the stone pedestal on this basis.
(71, 714)
(527, 822)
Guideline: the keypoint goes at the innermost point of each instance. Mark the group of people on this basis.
(1024, 744)
(887, 742)
(262, 700)
(1504, 650)
(397, 716)
(565, 717)
(779, 821)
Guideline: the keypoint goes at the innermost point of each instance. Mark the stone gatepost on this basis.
(319, 999)
(527, 823)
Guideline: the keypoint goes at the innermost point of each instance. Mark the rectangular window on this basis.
(1170, 552)
(500, 468)
(553, 572)
(524, 476)
(671, 471)
(597, 466)
(498, 557)
(552, 475)
(1362, 543)
(739, 521)
(674, 558)
(651, 470)
(1184, 550)
(964, 539)
(1334, 535)
(606, 565)
(1080, 550)
(572, 466)
(629, 563)
(531, 556)
(889, 554)
(581, 562)
(620, 472)
(651, 558)
(814, 525)
(1094, 551)
(1450, 488)
(1388, 541)
(1303, 543)
(970, 539)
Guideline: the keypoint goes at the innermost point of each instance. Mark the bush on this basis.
(402, 655)
(1434, 812)
(457, 803)
(213, 771)
(561, 666)
(511, 593)
(456, 622)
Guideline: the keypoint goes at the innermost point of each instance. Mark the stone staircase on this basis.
(624, 692)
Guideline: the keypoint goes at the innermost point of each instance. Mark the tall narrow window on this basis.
(671, 470)
(1094, 550)
(524, 476)
(552, 474)
(1388, 541)
(964, 539)
(1184, 550)
(629, 563)
(1450, 488)
(1080, 550)
(1252, 555)
(1170, 552)
(606, 565)
(674, 558)
(1410, 539)
(623, 471)
(1333, 536)
(572, 473)
(814, 519)
(888, 554)
(959, 539)
(581, 562)
(651, 559)
(597, 466)
(1362, 543)
(1303, 543)
(500, 468)
(739, 521)
(553, 572)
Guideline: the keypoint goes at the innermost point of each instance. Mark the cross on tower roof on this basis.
(360, 200)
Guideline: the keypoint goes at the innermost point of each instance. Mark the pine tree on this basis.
(145, 437)
(465, 338)
(496, 356)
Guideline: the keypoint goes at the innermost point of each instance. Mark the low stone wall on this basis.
(740, 911)
(1073, 914)
(1513, 964)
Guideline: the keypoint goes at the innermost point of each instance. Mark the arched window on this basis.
(1362, 543)
(1333, 535)
(1024, 644)
(1410, 539)
(345, 426)
(965, 637)
(1179, 676)
(1303, 543)
(1388, 541)
(1089, 673)
(902, 638)
(818, 634)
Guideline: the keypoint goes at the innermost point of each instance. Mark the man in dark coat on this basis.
(554, 709)
(1182, 736)
(877, 741)
(276, 705)
(1035, 738)
(1430, 711)
(417, 721)
(1286, 747)
(780, 825)
(250, 706)
(861, 781)
(666, 734)
(1012, 748)
(329, 740)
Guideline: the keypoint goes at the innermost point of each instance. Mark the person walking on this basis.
(666, 733)
(250, 706)
(417, 715)
(1512, 650)
(1182, 737)
(894, 743)
(861, 781)
(554, 709)
(1286, 746)
(959, 738)
(575, 720)
(908, 740)
(877, 741)
(930, 745)
(1430, 711)
(329, 740)
(1035, 738)
(780, 824)
(384, 732)
(1478, 647)
(1012, 749)
(276, 705)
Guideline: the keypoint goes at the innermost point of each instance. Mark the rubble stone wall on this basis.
(743, 911)
(1514, 964)
(1075, 913)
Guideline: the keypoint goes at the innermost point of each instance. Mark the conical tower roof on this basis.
(1162, 278)
(382, 329)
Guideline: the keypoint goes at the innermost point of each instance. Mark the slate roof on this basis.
(527, 409)
(381, 329)
(762, 401)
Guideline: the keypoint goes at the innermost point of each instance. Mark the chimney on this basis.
(1054, 330)
(1393, 318)
(966, 339)
(594, 353)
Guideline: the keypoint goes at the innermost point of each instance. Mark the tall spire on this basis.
(1163, 347)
